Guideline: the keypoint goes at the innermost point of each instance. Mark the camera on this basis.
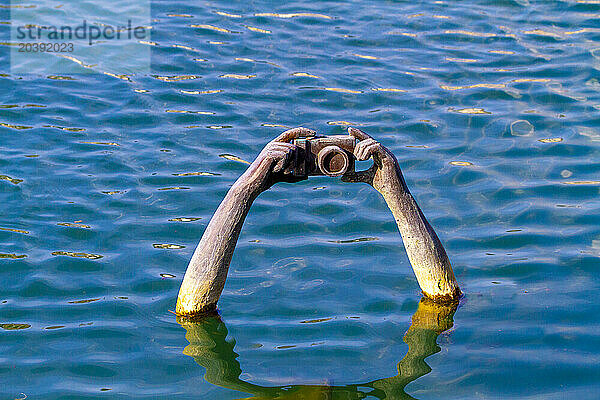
(323, 155)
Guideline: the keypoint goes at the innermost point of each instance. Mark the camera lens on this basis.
(333, 161)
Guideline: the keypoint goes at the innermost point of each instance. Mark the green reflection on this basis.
(209, 349)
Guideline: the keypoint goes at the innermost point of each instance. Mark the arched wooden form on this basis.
(205, 276)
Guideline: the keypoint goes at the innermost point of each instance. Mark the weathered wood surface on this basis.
(205, 276)
(425, 251)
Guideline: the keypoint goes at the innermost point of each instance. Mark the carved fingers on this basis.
(368, 147)
(280, 154)
(294, 133)
(280, 151)
(357, 133)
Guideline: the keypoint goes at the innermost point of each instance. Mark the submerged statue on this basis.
(291, 157)
(210, 349)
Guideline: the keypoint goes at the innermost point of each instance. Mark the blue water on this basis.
(492, 109)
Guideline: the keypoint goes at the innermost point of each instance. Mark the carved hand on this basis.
(267, 169)
(385, 174)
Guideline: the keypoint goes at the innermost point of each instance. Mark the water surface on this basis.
(107, 183)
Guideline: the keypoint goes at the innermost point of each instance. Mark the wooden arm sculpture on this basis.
(207, 271)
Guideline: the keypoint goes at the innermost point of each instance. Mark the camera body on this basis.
(323, 155)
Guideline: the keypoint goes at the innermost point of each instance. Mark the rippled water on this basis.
(107, 183)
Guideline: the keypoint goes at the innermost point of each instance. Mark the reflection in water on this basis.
(209, 349)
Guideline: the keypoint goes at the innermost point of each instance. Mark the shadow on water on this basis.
(209, 349)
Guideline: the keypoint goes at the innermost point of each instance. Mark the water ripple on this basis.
(108, 180)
